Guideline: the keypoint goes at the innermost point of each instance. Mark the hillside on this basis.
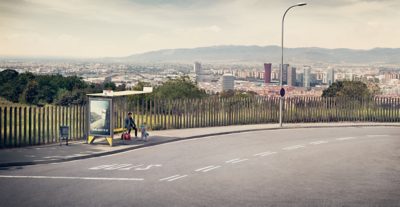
(256, 54)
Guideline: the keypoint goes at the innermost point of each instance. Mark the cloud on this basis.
(123, 27)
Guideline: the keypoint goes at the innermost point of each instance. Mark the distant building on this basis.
(330, 74)
(197, 68)
(285, 73)
(108, 79)
(228, 82)
(267, 72)
(291, 76)
(307, 77)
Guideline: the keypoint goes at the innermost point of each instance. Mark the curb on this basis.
(18, 164)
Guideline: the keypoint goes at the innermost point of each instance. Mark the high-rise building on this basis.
(285, 73)
(197, 68)
(307, 76)
(330, 76)
(228, 82)
(291, 76)
(267, 72)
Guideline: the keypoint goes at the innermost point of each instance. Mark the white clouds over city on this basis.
(98, 28)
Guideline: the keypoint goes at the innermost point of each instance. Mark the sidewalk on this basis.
(80, 150)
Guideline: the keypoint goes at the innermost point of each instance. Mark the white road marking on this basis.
(148, 167)
(378, 135)
(128, 168)
(262, 154)
(204, 168)
(72, 178)
(242, 160)
(177, 178)
(319, 142)
(293, 147)
(170, 177)
(345, 138)
(115, 167)
(213, 168)
(100, 167)
(233, 160)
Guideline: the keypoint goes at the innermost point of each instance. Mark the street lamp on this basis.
(281, 73)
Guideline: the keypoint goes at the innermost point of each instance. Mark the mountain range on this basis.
(228, 54)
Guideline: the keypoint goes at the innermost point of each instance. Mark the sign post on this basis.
(64, 134)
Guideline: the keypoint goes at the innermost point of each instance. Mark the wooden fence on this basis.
(23, 126)
(26, 125)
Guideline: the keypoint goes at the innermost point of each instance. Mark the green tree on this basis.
(179, 88)
(29, 95)
(350, 89)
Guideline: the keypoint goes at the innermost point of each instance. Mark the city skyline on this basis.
(124, 27)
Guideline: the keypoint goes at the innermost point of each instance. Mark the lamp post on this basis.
(281, 72)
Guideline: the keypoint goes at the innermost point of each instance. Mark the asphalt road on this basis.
(356, 166)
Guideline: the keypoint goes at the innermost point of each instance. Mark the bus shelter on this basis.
(102, 109)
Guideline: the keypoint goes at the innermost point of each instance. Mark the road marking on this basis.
(237, 161)
(378, 135)
(100, 167)
(170, 177)
(128, 168)
(293, 147)
(233, 160)
(262, 154)
(345, 138)
(72, 178)
(115, 167)
(204, 168)
(148, 167)
(213, 168)
(176, 178)
(318, 142)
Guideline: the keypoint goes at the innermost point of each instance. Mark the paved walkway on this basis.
(80, 150)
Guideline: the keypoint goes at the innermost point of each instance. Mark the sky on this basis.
(105, 28)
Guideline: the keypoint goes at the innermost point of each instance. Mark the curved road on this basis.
(356, 166)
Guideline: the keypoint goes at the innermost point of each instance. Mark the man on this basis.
(130, 124)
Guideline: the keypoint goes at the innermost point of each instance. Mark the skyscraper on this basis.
(330, 76)
(228, 82)
(291, 76)
(267, 72)
(285, 73)
(307, 76)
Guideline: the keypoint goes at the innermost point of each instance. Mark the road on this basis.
(356, 166)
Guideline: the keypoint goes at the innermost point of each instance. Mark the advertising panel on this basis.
(100, 117)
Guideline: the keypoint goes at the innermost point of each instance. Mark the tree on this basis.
(179, 88)
(29, 96)
(350, 89)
